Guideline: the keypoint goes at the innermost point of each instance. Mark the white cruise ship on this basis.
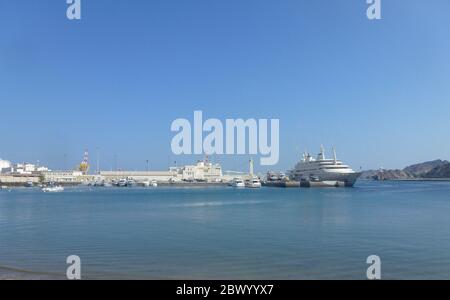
(323, 169)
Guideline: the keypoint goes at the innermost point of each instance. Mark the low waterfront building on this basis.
(202, 171)
(18, 180)
(21, 168)
(4, 164)
(24, 168)
(64, 177)
(141, 176)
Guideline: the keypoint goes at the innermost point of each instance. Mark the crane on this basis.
(84, 165)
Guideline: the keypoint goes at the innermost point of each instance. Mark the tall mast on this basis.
(322, 152)
(334, 155)
(98, 160)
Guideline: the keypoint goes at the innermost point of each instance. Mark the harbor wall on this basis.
(160, 176)
(12, 180)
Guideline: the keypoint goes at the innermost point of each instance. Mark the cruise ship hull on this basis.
(347, 179)
(321, 170)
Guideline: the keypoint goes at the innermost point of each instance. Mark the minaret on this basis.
(251, 168)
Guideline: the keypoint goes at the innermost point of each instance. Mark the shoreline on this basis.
(290, 184)
(408, 179)
(11, 273)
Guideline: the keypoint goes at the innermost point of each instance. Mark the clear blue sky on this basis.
(377, 90)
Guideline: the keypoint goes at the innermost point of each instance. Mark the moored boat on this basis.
(152, 183)
(321, 169)
(237, 182)
(52, 189)
(253, 183)
(122, 182)
(29, 183)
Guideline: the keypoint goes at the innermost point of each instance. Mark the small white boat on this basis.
(29, 183)
(122, 182)
(237, 182)
(253, 183)
(130, 182)
(3, 187)
(149, 183)
(99, 182)
(52, 189)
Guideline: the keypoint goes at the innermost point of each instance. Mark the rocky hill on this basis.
(442, 171)
(418, 170)
(431, 169)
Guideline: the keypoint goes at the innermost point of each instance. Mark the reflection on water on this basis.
(227, 233)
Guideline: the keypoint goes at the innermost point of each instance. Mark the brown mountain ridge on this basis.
(436, 169)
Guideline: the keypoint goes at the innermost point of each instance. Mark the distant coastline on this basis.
(436, 170)
(408, 179)
(10, 273)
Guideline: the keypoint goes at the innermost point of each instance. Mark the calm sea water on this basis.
(222, 233)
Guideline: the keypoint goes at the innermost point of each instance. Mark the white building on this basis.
(4, 164)
(63, 176)
(42, 169)
(24, 169)
(202, 171)
(140, 176)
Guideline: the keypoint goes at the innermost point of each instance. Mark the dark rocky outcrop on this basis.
(442, 171)
(427, 170)
(419, 170)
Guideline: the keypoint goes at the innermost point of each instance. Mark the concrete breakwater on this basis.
(18, 180)
(281, 184)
